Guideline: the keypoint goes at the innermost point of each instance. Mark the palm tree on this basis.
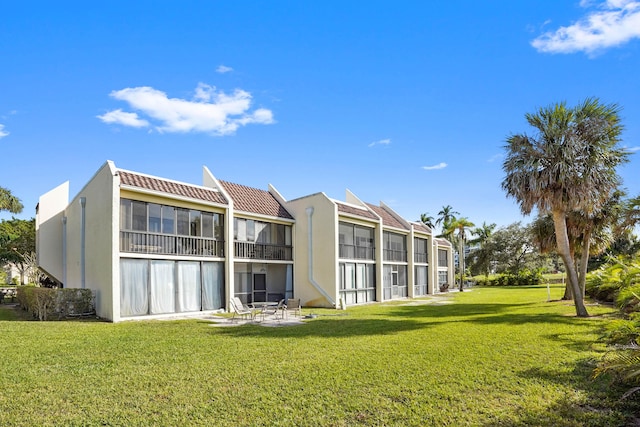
(9, 202)
(569, 165)
(632, 212)
(483, 233)
(427, 219)
(461, 226)
(445, 217)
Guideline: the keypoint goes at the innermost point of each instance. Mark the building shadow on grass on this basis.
(330, 327)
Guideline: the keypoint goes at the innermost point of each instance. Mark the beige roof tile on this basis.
(355, 211)
(387, 219)
(253, 200)
(171, 187)
(421, 227)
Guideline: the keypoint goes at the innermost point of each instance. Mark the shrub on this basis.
(622, 331)
(629, 298)
(47, 303)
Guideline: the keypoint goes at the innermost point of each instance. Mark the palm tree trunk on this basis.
(584, 260)
(568, 295)
(461, 263)
(562, 239)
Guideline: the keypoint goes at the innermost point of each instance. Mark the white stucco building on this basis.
(153, 247)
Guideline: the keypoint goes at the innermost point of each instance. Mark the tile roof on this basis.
(443, 242)
(355, 211)
(171, 187)
(387, 219)
(421, 227)
(253, 200)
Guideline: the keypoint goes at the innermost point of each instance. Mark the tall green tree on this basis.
(482, 254)
(427, 220)
(445, 217)
(569, 164)
(9, 202)
(460, 227)
(17, 239)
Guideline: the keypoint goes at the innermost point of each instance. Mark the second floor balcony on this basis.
(166, 244)
(357, 252)
(394, 255)
(420, 258)
(265, 251)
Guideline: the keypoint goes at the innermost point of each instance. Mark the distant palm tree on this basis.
(482, 255)
(569, 165)
(427, 219)
(445, 217)
(9, 202)
(482, 234)
(461, 226)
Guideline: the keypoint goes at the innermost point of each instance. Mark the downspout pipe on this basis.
(83, 236)
(310, 253)
(64, 251)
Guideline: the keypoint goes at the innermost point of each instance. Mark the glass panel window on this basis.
(287, 235)
(346, 234)
(134, 292)
(240, 229)
(125, 214)
(364, 237)
(350, 276)
(168, 220)
(139, 216)
(262, 232)
(442, 258)
(251, 230)
(155, 212)
(182, 222)
(218, 223)
(207, 224)
(195, 223)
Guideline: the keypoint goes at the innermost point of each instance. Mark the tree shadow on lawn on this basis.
(487, 314)
(600, 405)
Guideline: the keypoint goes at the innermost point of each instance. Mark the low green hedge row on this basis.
(525, 278)
(48, 304)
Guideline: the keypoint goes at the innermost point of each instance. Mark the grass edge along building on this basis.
(152, 247)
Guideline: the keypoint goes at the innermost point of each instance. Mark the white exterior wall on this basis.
(324, 250)
(49, 231)
(101, 267)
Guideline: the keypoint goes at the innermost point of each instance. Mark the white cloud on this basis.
(495, 157)
(631, 149)
(615, 23)
(123, 118)
(441, 165)
(210, 111)
(223, 69)
(381, 142)
(3, 133)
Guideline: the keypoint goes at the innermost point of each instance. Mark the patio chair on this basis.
(274, 310)
(240, 309)
(294, 306)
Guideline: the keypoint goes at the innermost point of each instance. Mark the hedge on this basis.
(524, 278)
(48, 304)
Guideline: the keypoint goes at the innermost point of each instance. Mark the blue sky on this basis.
(406, 102)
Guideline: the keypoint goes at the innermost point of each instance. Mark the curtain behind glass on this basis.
(163, 287)
(212, 285)
(134, 295)
(189, 286)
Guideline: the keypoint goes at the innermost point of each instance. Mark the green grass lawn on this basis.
(492, 357)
